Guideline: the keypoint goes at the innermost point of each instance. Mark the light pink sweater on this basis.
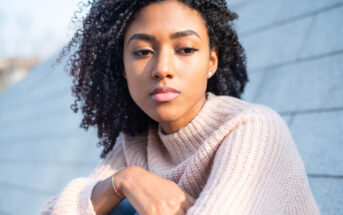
(234, 157)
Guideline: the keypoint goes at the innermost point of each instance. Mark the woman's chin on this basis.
(165, 116)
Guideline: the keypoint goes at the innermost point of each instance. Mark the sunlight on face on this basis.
(167, 60)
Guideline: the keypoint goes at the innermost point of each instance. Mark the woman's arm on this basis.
(76, 196)
(147, 192)
(103, 198)
(150, 194)
(257, 170)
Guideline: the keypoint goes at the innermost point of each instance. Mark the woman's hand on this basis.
(150, 194)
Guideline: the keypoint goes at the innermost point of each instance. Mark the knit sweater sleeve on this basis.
(76, 196)
(256, 170)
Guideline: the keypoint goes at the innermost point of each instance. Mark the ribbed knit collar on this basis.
(184, 142)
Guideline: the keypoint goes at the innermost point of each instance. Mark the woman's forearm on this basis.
(146, 192)
(103, 198)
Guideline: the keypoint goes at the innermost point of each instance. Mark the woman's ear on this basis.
(213, 61)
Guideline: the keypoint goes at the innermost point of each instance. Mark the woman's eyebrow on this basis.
(145, 37)
(175, 35)
(184, 34)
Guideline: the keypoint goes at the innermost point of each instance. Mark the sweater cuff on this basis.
(85, 198)
(76, 198)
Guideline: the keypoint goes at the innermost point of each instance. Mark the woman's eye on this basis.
(143, 52)
(187, 51)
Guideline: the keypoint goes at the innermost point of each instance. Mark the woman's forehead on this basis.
(168, 18)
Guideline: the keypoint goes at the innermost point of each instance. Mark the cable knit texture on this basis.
(234, 157)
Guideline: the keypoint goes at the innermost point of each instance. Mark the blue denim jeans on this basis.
(124, 208)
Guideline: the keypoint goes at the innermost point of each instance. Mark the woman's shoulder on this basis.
(255, 127)
(233, 108)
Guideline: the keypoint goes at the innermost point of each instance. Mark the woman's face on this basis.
(167, 61)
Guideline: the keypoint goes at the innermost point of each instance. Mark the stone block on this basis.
(325, 35)
(276, 46)
(257, 15)
(308, 85)
(16, 200)
(43, 178)
(328, 193)
(319, 139)
(78, 148)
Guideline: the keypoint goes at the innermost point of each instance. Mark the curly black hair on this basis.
(100, 89)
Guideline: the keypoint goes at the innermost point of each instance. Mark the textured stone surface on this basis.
(70, 148)
(42, 147)
(269, 13)
(319, 139)
(29, 200)
(328, 193)
(256, 82)
(255, 10)
(324, 34)
(275, 46)
(43, 177)
(308, 85)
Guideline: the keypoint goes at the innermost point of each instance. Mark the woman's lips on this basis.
(164, 94)
(164, 97)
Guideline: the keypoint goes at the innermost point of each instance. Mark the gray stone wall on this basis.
(42, 147)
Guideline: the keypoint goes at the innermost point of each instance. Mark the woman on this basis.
(161, 80)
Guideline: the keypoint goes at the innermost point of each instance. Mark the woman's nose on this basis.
(163, 67)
